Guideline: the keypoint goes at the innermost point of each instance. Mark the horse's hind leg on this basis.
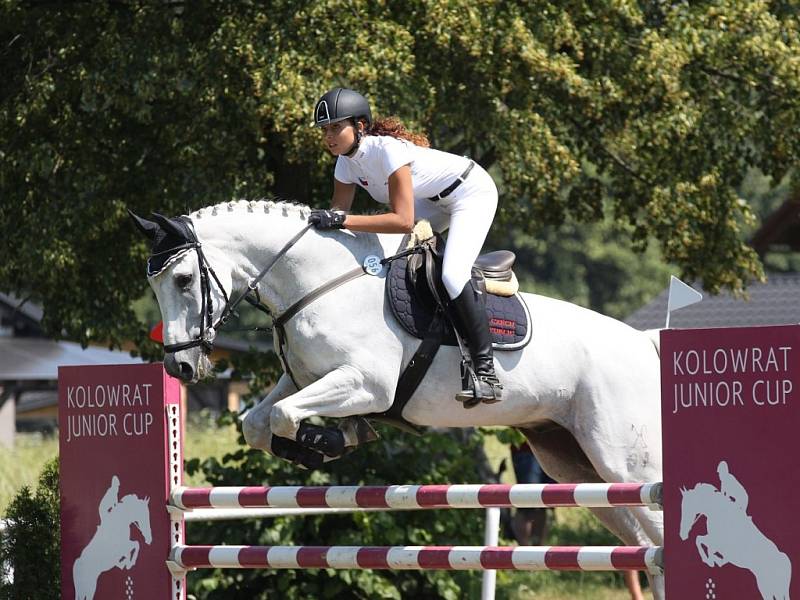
(565, 461)
(625, 524)
(559, 454)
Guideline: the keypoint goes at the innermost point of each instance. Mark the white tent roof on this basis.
(25, 359)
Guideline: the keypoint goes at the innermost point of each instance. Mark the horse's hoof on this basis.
(357, 431)
(311, 460)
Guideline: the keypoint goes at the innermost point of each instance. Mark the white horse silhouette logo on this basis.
(111, 545)
(732, 537)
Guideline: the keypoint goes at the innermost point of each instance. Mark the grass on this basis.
(22, 465)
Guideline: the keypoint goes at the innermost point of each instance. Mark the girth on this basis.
(419, 301)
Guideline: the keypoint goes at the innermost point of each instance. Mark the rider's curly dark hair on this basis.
(394, 127)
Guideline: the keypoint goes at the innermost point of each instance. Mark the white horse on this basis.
(111, 546)
(585, 391)
(732, 538)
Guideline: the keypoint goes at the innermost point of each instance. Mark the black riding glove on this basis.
(327, 219)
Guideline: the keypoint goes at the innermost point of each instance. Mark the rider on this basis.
(398, 168)
(110, 498)
(731, 488)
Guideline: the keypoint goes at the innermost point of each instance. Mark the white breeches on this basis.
(468, 213)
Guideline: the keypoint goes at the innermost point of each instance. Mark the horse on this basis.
(733, 538)
(585, 391)
(111, 546)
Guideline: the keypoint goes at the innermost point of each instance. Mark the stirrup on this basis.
(478, 389)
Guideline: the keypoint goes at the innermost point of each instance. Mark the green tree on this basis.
(592, 265)
(30, 545)
(649, 114)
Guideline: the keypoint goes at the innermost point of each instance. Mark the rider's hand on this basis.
(327, 219)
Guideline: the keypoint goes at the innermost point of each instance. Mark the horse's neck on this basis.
(246, 238)
(707, 496)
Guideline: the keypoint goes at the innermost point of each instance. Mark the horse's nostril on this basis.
(186, 370)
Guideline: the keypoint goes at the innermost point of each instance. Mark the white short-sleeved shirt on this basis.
(378, 156)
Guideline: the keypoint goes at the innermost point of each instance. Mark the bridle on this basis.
(208, 328)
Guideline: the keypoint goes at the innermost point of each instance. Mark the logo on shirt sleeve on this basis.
(363, 182)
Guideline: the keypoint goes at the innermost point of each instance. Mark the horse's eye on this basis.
(183, 281)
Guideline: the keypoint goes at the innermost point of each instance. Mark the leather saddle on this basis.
(415, 292)
(419, 302)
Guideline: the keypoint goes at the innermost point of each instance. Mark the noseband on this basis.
(208, 328)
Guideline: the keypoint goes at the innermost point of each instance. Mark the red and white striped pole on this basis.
(523, 558)
(422, 496)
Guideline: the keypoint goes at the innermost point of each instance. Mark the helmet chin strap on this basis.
(359, 136)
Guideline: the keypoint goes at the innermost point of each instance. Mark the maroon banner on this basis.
(731, 420)
(114, 480)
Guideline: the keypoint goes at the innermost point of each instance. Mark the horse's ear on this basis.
(147, 228)
(169, 225)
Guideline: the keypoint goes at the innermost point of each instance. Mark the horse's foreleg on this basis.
(343, 392)
(130, 559)
(704, 551)
(256, 422)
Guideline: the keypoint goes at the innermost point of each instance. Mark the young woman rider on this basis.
(398, 168)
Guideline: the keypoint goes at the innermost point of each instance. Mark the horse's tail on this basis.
(655, 337)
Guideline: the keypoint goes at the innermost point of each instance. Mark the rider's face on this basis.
(339, 137)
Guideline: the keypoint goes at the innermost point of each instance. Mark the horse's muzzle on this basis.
(179, 369)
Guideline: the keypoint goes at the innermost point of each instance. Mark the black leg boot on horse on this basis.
(481, 383)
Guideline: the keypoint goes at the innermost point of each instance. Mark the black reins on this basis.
(279, 322)
(208, 329)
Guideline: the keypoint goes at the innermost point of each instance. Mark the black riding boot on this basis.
(484, 387)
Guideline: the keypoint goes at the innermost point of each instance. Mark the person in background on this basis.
(530, 525)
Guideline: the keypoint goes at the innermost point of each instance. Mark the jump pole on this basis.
(418, 497)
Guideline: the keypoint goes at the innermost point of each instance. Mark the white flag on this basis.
(681, 295)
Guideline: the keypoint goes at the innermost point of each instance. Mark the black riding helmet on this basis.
(339, 104)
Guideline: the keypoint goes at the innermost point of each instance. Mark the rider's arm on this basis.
(401, 200)
(343, 194)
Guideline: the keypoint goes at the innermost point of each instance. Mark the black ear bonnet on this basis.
(170, 239)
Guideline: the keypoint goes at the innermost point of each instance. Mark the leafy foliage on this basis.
(649, 113)
(591, 265)
(30, 544)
